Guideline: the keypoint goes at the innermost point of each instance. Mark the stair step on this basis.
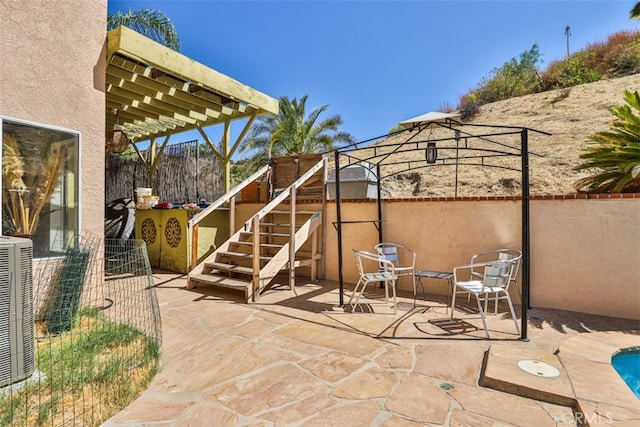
(264, 233)
(297, 212)
(310, 192)
(262, 245)
(243, 255)
(311, 189)
(221, 281)
(304, 254)
(232, 268)
(301, 255)
(277, 224)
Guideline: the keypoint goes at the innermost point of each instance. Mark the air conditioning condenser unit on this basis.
(17, 360)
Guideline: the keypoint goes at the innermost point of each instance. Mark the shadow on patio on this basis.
(299, 359)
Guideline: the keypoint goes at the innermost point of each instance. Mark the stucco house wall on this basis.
(52, 72)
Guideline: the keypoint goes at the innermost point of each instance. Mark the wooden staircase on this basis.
(278, 237)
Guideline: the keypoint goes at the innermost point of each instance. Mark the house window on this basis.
(40, 190)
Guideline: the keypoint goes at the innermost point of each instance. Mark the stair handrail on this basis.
(285, 193)
(226, 197)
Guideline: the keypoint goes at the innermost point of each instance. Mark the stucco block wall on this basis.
(585, 254)
(443, 234)
(53, 73)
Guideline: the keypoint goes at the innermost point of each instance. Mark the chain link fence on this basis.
(96, 336)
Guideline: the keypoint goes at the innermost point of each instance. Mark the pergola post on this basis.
(227, 160)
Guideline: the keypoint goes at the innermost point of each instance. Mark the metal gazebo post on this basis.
(339, 227)
(379, 195)
(524, 154)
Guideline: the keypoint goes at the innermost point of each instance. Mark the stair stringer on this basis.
(199, 269)
(258, 283)
(280, 260)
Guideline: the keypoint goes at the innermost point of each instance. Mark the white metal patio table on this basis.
(434, 274)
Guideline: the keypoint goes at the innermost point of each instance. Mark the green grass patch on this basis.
(93, 371)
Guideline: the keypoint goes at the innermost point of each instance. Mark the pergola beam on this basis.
(156, 92)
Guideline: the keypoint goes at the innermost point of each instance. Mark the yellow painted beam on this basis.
(158, 92)
(133, 45)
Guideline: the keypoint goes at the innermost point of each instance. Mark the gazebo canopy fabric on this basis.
(429, 119)
(153, 91)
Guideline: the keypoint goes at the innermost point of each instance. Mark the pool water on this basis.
(627, 364)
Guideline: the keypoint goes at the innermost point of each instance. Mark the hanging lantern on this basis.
(117, 140)
(431, 153)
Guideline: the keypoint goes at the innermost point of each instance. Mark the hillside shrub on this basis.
(575, 70)
(623, 51)
(469, 106)
(618, 56)
(628, 60)
(623, 58)
(514, 78)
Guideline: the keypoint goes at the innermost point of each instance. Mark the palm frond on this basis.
(293, 131)
(150, 23)
(613, 156)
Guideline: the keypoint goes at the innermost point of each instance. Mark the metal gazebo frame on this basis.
(383, 153)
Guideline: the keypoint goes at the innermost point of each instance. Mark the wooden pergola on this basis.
(154, 92)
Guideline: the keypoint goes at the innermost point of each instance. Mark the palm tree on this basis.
(292, 132)
(635, 12)
(150, 23)
(615, 154)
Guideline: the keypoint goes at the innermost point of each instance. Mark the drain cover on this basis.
(538, 368)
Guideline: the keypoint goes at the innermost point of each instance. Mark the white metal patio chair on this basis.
(512, 255)
(374, 268)
(403, 259)
(492, 286)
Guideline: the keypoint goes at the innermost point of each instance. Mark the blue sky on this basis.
(376, 63)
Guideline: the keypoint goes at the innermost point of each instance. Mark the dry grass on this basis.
(93, 371)
(570, 116)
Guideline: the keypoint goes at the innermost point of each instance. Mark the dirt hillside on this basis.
(570, 116)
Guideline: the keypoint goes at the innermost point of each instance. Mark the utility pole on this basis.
(567, 32)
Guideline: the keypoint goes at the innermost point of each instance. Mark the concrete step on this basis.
(550, 383)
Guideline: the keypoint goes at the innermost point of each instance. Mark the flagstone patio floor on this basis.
(298, 359)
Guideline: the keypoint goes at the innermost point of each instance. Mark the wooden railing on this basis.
(253, 223)
(227, 197)
(287, 192)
